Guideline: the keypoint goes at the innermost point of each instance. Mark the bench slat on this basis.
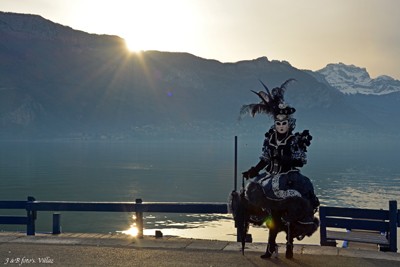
(357, 236)
(352, 224)
(356, 213)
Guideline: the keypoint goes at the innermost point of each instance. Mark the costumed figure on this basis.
(281, 196)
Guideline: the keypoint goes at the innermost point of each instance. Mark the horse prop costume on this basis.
(281, 197)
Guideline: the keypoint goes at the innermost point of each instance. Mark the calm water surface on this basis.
(343, 175)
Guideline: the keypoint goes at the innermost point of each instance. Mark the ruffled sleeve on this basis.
(266, 153)
(299, 147)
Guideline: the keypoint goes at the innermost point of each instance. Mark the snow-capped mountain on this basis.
(350, 79)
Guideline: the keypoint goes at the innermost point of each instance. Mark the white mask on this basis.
(281, 124)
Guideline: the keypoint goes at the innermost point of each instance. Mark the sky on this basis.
(309, 34)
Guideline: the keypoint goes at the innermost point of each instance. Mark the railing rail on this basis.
(13, 204)
(166, 207)
(32, 207)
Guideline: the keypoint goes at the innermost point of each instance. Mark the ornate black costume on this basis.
(281, 192)
(281, 158)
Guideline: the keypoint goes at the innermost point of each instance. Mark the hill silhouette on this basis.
(57, 82)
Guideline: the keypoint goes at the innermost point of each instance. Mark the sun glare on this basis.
(173, 25)
(132, 46)
(168, 27)
(133, 231)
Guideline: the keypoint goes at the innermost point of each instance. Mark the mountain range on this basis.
(60, 83)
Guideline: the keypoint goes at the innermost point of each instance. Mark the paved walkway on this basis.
(17, 249)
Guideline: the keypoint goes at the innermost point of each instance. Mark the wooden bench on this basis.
(360, 225)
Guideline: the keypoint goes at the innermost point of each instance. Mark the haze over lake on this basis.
(348, 176)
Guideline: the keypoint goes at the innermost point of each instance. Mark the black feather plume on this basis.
(270, 101)
(279, 92)
(254, 109)
(266, 89)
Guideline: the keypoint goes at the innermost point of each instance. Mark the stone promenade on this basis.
(17, 249)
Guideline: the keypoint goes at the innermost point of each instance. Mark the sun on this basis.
(132, 46)
(169, 27)
(142, 33)
(174, 25)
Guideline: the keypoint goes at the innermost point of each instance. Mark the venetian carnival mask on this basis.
(281, 124)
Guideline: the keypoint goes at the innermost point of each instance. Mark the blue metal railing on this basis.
(32, 206)
(166, 207)
(11, 204)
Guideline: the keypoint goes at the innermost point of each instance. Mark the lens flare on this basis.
(269, 222)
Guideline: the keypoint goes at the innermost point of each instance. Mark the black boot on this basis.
(289, 251)
(271, 249)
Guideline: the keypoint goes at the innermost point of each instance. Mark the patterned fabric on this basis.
(286, 154)
(282, 193)
(282, 178)
(284, 185)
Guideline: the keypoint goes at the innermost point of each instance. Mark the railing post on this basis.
(235, 167)
(322, 226)
(393, 225)
(56, 223)
(31, 214)
(139, 220)
(398, 218)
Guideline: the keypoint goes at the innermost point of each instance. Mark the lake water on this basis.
(343, 175)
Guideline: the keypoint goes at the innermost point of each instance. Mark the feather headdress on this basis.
(272, 103)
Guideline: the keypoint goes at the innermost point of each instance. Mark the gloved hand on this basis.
(252, 172)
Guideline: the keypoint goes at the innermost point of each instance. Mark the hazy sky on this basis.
(307, 33)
